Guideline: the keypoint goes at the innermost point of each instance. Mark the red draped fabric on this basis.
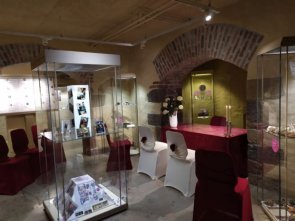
(20, 144)
(213, 139)
(119, 158)
(15, 171)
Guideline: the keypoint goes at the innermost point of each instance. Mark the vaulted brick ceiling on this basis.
(113, 20)
(27, 25)
(18, 53)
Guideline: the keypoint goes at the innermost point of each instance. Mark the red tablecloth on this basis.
(243, 189)
(212, 138)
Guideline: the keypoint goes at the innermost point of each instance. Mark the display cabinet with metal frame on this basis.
(69, 111)
(276, 131)
(129, 121)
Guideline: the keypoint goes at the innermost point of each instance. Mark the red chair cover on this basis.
(3, 150)
(52, 153)
(119, 158)
(219, 194)
(15, 172)
(218, 121)
(35, 135)
(20, 144)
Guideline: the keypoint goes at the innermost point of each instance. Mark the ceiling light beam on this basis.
(45, 37)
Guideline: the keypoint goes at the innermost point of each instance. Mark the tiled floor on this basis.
(148, 200)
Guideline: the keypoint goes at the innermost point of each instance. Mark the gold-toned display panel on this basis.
(226, 91)
(202, 97)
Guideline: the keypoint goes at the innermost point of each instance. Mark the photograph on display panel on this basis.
(83, 122)
(81, 108)
(83, 129)
(81, 93)
(99, 126)
(66, 125)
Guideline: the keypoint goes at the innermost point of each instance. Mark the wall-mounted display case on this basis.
(82, 94)
(202, 97)
(275, 153)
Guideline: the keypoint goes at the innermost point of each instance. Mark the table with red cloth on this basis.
(208, 137)
(212, 138)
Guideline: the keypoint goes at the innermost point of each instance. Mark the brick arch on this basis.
(226, 42)
(177, 59)
(23, 53)
(18, 53)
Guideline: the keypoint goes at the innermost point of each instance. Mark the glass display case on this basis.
(276, 131)
(78, 99)
(129, 121)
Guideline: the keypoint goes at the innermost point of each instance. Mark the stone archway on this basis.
(225, 42)
(216, 41)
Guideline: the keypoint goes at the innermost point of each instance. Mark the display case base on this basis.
(101, 214)
(89, 146)
(274, 214)
(96, 210)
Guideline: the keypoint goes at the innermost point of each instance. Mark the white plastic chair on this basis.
(153, 155)
(180, 172)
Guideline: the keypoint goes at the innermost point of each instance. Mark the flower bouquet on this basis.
(171, 105)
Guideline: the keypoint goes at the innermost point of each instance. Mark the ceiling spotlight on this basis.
(143, 44)
(208, 10)
(208, 17)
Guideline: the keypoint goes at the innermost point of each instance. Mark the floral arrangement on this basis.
(171, 105)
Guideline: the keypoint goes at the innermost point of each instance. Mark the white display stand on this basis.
(79, 105)
(83, 199)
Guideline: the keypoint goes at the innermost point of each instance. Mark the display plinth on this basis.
(274, 212)
(83, 200)
(89, 146)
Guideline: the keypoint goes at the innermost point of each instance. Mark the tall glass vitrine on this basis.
(78, 100)
(129, 121)
(276, 130)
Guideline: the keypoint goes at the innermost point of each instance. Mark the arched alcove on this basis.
(224, 42)
(228, 87)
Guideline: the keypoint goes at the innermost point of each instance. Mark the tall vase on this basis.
(173, 119)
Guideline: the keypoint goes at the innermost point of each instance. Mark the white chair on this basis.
(153, 155)
(180, 172)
